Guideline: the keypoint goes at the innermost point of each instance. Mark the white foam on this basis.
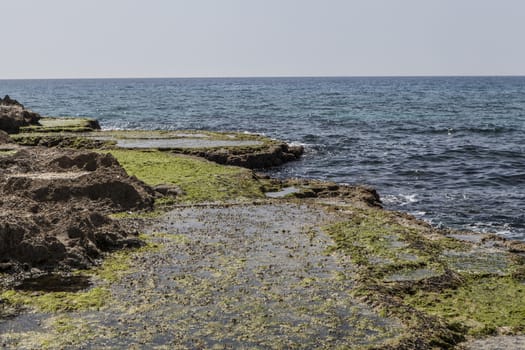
(400, 199)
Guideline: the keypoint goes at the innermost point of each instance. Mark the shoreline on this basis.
(409, 276)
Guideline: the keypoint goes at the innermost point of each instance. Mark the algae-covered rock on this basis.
(443, 289)
(62, 124)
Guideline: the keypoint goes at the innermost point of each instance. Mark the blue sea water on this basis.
(449, 150)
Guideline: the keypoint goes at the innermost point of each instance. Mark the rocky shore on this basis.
(55, 204)
(131, 239)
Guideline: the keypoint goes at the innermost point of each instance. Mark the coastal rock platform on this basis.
(230, 148)
(228, 258)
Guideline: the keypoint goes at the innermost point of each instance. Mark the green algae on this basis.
(93, 299)
(7, 152)
(201, 180)
(60, 139)
(480, 262)
(480, 305)
(118, 264)
(249, 284)
(60, 124)
(112, 269)
(430, 281)
(378, 244)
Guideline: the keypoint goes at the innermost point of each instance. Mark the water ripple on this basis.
(449, 150)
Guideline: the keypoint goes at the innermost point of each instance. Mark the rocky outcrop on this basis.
(359, 196)
(54, 207)
(251, 158)
(13, 115)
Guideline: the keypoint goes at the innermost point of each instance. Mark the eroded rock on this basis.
(14, 115)
(55, 203)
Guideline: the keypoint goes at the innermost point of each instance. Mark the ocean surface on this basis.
(450, 150)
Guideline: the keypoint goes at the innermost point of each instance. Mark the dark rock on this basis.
(93, 124)
(358, 195)
(13, 115)
(61, 141)
(6, 267)
(169, 190)
(8, 101)
(273, 155)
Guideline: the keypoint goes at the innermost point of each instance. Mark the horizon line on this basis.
(278, 77)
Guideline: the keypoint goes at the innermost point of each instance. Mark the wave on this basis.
(400, 199)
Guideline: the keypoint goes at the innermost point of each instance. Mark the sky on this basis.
(236, 38)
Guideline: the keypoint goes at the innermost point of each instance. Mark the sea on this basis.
(449, 150)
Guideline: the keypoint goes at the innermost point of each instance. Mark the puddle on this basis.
(282, 193)
(143, 136)
(170, 140)
(183, 143)
(54, 283)
(61, 122)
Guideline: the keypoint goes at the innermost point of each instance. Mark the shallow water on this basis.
(449, 150)
(54, 283)
(182, 143)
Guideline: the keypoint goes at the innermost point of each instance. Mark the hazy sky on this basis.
(186, 38)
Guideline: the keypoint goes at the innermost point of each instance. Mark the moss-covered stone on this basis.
(382, 246)
(60, 139)
(200, 180)
(64, 124)
(93, 299)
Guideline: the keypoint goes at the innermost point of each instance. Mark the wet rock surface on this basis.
(13, 115)
(225, 277)
(267, 275)
(54, 206)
